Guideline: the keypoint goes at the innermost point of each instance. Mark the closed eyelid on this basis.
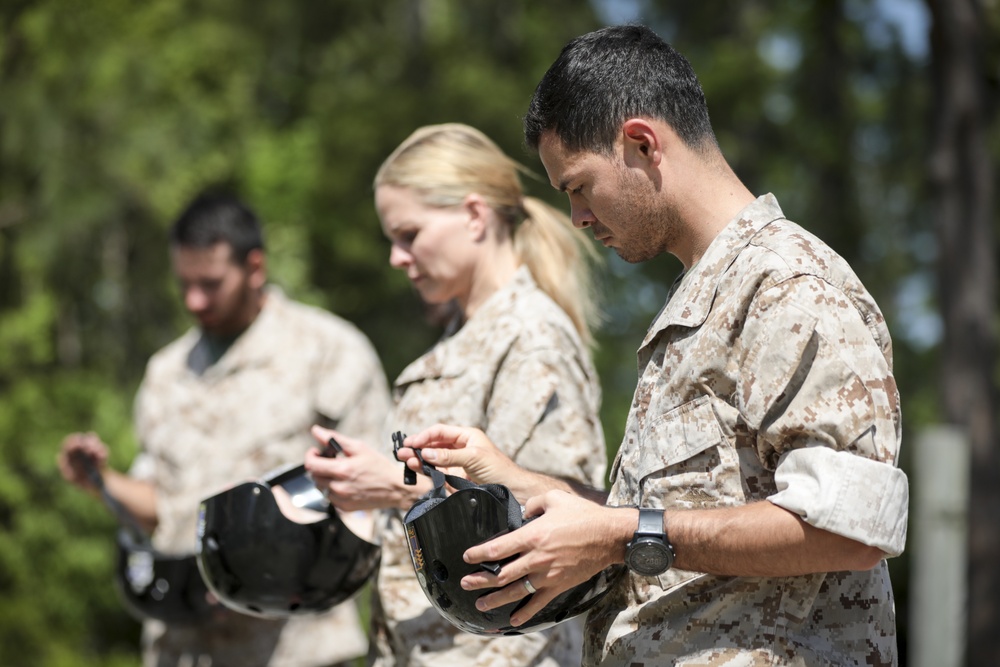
(399, 231)
(404, 237)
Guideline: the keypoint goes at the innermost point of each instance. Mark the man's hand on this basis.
(460, 447)
(471, 450)
(79, 453)
(571, 540)
(83, 453)
(359, 478)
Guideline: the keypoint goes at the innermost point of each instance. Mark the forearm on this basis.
(573, 539)
(137, 497)
(447, 446)
(525, 484)
(756, 540)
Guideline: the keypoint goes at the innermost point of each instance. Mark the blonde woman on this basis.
(513, 362)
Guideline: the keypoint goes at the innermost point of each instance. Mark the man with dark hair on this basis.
(755, 494)
(214, 217)
(230, 400)
(630, 71)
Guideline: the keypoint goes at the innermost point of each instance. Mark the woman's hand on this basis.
(359, 478)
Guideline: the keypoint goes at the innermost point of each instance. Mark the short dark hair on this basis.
(605, 77)
(218, 217)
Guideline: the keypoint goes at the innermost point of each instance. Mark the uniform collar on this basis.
(691, 302)
(245, 350)
(499, 302)
(480, 327)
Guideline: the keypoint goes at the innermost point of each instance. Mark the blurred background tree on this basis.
(114, 113)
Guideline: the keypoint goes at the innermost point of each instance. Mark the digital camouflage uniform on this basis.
(767, 375)
(517, 370)
(204, 426)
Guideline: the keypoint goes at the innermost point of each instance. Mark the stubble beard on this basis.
(654, 231)
(244, 311)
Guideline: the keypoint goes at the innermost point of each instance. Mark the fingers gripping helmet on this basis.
(439, 529)
(257, 561)
(160, 586)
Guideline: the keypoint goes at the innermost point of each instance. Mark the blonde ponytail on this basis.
(560, 258)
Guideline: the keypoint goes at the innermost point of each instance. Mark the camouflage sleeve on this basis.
(820, 395)
(543, 412)
(352, 391)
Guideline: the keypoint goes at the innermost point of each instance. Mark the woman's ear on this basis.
(479, 213)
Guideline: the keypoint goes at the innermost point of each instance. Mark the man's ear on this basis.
(479, 213)
(256, 268)
(643, 143)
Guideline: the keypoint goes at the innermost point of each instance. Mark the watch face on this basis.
(649, 557)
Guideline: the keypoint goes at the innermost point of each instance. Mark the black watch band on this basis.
(650, 522)
(649, 553)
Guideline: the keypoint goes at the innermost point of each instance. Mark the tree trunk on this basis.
(961, 180)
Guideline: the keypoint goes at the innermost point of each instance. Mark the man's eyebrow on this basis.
(563, 185)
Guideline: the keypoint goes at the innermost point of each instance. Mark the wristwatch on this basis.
(650, 552)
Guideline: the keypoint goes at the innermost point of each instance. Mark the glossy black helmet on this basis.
(151, 584)
(258, 561)
(165, 587)
(439, 529)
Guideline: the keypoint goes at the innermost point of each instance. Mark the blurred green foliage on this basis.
(114, 113)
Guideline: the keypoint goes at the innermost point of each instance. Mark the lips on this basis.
(601, 234)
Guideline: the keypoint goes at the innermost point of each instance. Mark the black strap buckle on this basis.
(409, 476)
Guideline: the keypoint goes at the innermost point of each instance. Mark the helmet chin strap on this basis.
(139, 536)
(153, 585)
(515, 513)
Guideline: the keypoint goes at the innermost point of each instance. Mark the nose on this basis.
(581, 216)
(195, 300)
(399, 258)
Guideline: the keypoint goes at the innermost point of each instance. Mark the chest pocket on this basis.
(684, 461)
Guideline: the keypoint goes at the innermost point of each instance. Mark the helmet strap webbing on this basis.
(515, 513)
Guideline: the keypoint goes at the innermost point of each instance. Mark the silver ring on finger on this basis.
(528, 587)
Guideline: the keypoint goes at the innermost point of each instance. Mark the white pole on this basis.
(938, 548)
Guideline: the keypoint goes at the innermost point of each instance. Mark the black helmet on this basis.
(439, 529)
(161, 586)
(151, 584)
(257, 561)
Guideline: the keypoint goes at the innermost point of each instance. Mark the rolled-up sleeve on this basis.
(846, 494)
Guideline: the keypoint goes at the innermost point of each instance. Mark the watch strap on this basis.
(650, 522)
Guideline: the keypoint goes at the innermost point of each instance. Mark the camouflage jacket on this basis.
(517, 370)
(766, 376)
(204, 426)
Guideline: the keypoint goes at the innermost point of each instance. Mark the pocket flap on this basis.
(677, 436)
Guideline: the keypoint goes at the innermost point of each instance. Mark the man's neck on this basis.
(712, 199)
